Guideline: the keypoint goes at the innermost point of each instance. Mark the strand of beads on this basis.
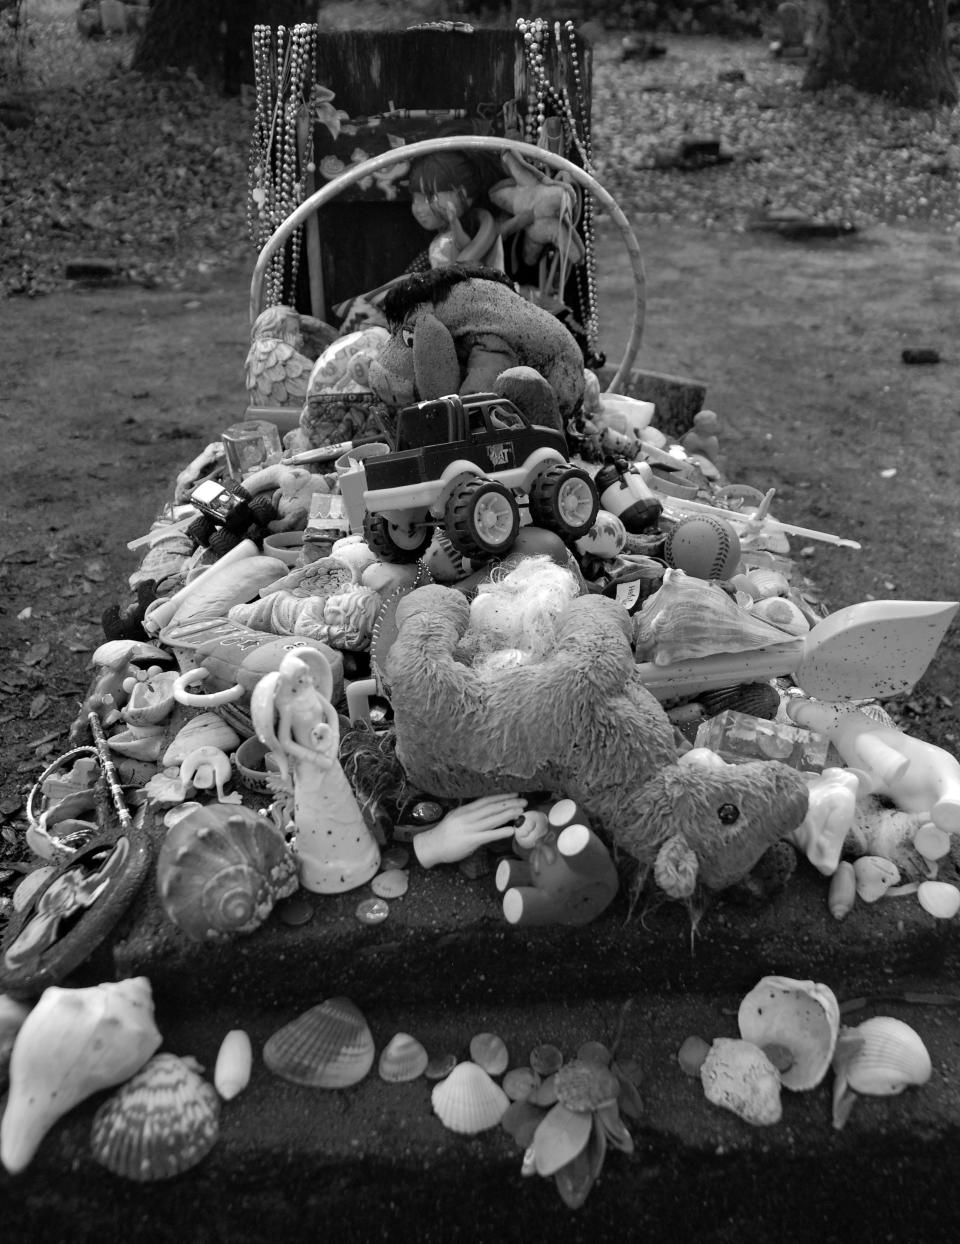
(260, 175)
(534, 34)
(587, 274)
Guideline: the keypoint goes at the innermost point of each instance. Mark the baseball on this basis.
(704, 546)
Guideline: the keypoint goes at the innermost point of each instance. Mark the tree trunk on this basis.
(896, 48)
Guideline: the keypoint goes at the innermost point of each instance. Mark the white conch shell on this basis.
(880, 1058)
(72, 1044)
(875, 875)
(468, 1100)
(799, 1017)
(206, 729)
(738, 1076)
(234, 1064)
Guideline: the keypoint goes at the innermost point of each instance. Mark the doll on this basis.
(446, 189)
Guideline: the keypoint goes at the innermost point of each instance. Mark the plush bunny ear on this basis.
(436, 368)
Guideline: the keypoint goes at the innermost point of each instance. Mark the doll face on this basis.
(436, 210)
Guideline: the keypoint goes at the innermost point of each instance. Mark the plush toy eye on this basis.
(406, 336)
(728, 813)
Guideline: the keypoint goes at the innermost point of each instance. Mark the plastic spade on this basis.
(873, 650)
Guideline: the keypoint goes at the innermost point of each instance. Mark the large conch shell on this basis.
(72, 1044)
(688, 617)
(880, 1058)
(221, 869)
(796, 1024)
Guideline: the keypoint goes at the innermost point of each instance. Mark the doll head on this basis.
(443, 186)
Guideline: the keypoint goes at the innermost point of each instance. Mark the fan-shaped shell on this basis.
(875, 875)
(329, 1046)
(801, 1018)
(758, 699)
(468, 1101)
(159, 1124)
(739, 1076)
(890, 1056)
(781, 613)
(221, 869)
(402, 1058)
(489, 1052)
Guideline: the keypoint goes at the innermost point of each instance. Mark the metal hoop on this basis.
(474, 143)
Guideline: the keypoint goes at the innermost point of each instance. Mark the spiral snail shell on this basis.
(221, 869)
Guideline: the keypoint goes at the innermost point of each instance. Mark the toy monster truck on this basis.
(459, 462)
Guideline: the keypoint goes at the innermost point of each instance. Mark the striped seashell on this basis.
(782, 613)
(468, 1101)
(329, 1046)
(159, 1124)
(488, 1051)
(887, 1056)
(402, 1058)
(758, 699)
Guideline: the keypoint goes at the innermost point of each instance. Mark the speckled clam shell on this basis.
(402, 1058)
(800, 1017)
(738, 1076)
(782, 613)
(875, 875)
(220, 870)
(329, 1046)
(888, 1056)
(757, 699)
(159, 1124)
(489, 1051)
(939, 898)
(468, 1101)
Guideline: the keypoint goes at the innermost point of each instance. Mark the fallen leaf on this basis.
(39, 652)
(39, 705)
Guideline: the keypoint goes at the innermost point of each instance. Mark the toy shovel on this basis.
(872, 650)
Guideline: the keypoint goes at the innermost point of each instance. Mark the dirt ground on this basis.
(110, 391)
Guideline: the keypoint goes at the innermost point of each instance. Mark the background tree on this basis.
(896, 48)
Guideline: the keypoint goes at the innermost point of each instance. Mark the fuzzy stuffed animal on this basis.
(579, 724)
(464, 330)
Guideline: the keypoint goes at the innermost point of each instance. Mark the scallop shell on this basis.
(161, 1123)
(489, 1052)
(688, 618)
(391, 883)
(885, 1056)
(800, 1017)
(763, 582)
(206, 729)
(73, 1043)
(875, 875)
(220, 870)
(234, 1064)
(939, 898)
(402, 1058)
(781, 613)
(757, 699)
(738, 1076)
(468, 1101)
(329, 1046)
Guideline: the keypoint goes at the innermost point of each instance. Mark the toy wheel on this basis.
(564, 499)
(396, 542)
(482, 518)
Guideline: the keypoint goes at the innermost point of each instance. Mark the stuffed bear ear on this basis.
(675, 868)
(436, 368)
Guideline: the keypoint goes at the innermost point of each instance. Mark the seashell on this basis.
(595, 1052)
(488, 1051)
(546, 1059)
(161, 1123)
(206, 729)
(782, 613)
(875, 875)
(234, 1065)
(329, 1046)
(402, 1058)
(738, 1076)
(802, 1017)
(758, 699)
(939, 898)
(138, 742)
(842, 894)
(690, 617)
(519, 1083)
(930, 842)
(468, 1101)
(762, 583)
(117, 652)
(72, 1044)
(440, 1066)
(391, 883)
(879, 1058)
(691, 1055)
(220, 870)
(151, 701)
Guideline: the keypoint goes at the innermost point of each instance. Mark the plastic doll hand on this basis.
(830, 813)
(466, 828)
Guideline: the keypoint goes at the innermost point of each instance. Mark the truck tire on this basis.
(396, 542)
(482, 518)
(564, 499)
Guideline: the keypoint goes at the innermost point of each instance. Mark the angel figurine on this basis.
(293, 716)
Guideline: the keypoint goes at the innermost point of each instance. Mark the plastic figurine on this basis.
(567, 878)
(446, 188)
(915, 775)
(544, 209)
(293, 716)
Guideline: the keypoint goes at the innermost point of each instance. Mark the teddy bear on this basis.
(579, 724)
(463, 329)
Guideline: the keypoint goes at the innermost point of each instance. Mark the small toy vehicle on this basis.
(460, 462)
